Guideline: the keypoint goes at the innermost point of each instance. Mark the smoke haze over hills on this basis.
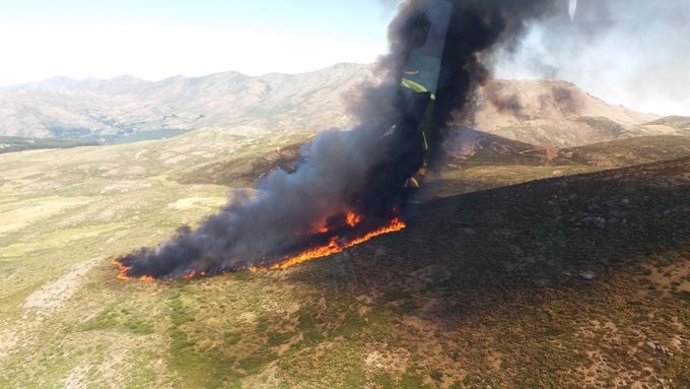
(634, 53)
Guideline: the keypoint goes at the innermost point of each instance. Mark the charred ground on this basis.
(555, 283)
(568, 282)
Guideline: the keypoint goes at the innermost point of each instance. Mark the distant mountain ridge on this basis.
(64, 107)
(539, 112)
(465, 146)
(557, 114)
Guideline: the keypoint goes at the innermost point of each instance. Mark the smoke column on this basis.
(359, 170)
(630, 52)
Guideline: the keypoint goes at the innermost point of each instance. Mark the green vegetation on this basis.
(114, 319)
(559, 282)
(633, 151)
(685, 296)
(680, 122)
(603, 125)
(10, 144)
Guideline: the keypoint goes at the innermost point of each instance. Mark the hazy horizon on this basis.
(608, 56)
(157, 40)
(517, 77)
(122, 75)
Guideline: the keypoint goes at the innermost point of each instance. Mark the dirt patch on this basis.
(77, 378)
(395, 362)
(8, 341)
(53, 294)
(674, 278)
(198, 202)
(120, 357)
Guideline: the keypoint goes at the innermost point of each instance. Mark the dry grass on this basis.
(481, 290)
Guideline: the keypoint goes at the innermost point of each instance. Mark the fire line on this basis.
(335, 246)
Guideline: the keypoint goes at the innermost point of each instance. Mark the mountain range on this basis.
(546, 113)
(124, 106)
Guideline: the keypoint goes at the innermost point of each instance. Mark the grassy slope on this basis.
(10, 144)
(123, 107)
(482, 289)
(500, 161)
(627, 152)
(679, 122)
(556, 114)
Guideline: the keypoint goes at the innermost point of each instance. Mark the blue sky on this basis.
(155, 39)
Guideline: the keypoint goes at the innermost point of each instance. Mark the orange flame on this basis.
(352, 219)
(194, 275)
(335, 246)
(122, 276)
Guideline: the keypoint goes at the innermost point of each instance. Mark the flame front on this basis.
(336, 246)
(352, 219)
(123, 276)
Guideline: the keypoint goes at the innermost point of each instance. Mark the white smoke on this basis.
(572, 8)
(630, 52)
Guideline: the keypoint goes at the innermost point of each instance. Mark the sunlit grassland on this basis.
(72, 211)
(480, 290)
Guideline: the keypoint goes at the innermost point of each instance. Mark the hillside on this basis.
(556, 114)
(631, 151)
(568, 275)
(466, 147)
(472, 160)
(476, 160)
(671, 124)
(570, 282)
(124, 106)
(545, 113)
(523, 265)
(10, 144)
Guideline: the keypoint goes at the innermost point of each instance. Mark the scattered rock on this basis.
(596, 221)
(677, 343)
(587, 275)
(659, 349)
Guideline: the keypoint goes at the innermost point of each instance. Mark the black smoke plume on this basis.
(362, 170)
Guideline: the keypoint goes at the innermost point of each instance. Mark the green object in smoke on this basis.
(420, 78)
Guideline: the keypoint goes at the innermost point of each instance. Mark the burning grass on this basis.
(336, 245)
(352, 232)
